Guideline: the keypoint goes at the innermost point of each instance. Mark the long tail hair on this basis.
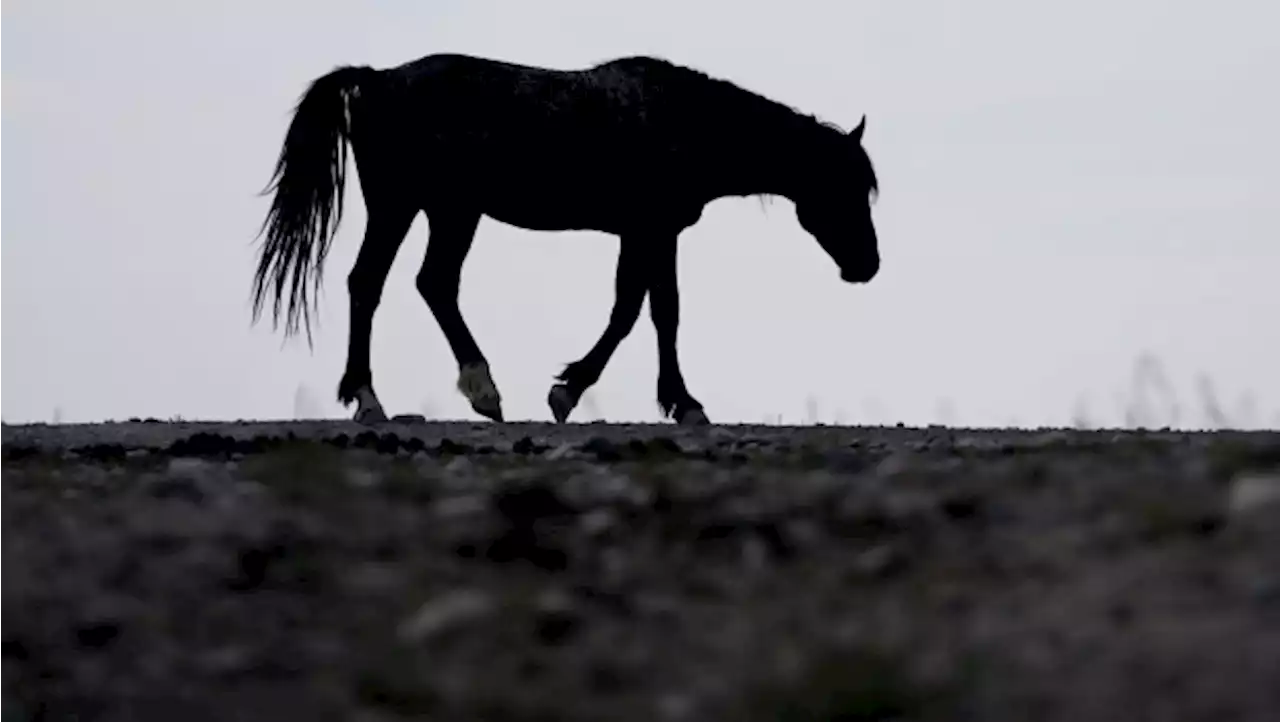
(308, 181)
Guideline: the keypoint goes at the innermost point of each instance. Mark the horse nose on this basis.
(861, 272)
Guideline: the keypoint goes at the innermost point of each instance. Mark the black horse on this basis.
(635, 147)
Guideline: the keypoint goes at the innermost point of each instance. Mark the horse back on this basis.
(549, 148)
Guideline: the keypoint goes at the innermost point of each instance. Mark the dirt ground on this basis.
(323, 571)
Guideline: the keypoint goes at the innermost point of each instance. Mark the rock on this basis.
(600, 485)
(557, 618)
(186, 478)
(879, 562)
(563, 451)
(459, 465)
(188, 466)
(893, 465)
(444, 613)
(97, 633)
(362, 478)
(1253, 491)
(604, 449)
(598, 521)
(454, 507)
(452, 448)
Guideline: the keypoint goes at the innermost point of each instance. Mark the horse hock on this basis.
(477, 385)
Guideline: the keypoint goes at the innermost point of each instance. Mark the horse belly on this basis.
(552, 202)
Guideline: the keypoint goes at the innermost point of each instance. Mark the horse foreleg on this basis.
(439, 281)
(664, 307)
(629, 289)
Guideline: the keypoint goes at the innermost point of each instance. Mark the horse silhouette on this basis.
(635, 147)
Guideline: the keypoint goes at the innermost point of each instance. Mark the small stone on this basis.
(459, 465)
(563, 451)
(557, 617)
(603, 448)
(1050, 439)
(448, 611)
(597, 521)
(452, 448)
(879, 562)
(892, 465)
(454, 507)
(97, 633)
(963, 506)
(1253, 491)
(362, 478)
(188, 466)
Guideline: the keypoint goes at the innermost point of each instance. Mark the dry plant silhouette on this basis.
(306, 405)
(1151, 400)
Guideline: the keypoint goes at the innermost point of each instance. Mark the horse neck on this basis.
(771, 156)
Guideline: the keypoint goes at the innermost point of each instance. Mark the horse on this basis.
(634, 147)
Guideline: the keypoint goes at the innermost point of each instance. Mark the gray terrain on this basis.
(521, 572)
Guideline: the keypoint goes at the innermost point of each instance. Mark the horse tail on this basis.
(309, 179)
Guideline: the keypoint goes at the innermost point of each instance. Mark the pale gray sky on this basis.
(1065, 187)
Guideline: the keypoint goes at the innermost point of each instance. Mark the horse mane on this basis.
(726, 92)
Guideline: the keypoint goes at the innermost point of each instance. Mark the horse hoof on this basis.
(369, 409)
(370, 416)
(477, 386)
(694, 417)
(491, 410)
(561, 401)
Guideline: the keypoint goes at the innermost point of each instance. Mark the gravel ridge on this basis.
(528, 571)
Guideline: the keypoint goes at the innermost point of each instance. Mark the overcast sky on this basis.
(1065, 188)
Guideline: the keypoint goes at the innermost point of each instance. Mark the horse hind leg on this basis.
(384, 232)
(629, 289)
(439, 280)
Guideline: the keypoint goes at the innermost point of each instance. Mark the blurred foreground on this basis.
(527, 572)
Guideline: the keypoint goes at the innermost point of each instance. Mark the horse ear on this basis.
(856, 133)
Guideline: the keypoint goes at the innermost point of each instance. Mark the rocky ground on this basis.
(317, 571)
